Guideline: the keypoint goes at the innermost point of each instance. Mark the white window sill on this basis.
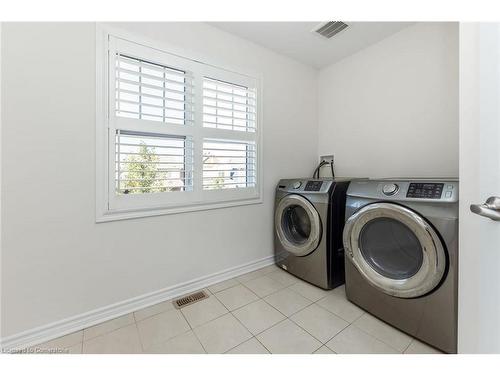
(115, 215)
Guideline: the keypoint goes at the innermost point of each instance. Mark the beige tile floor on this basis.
(261, 312)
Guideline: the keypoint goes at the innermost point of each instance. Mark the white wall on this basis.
(391, 110)
(56, 262)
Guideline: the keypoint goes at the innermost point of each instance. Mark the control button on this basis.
(449, 187)
(297, 184)
(390, 189)
(448, 194)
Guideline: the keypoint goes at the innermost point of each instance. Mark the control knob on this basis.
(390, 189)
(297, 184)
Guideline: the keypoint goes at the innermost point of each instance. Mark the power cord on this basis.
(316, 171)
(331, 167)
(321, 164)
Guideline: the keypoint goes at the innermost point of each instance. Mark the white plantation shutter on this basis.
(228, 164)
(229, 160)
(228, 106)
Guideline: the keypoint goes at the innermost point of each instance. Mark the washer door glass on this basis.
(396, 250)
(391, 248)
(297, 225)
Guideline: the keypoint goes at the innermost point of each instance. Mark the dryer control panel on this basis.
(415, 190)
(425, 190)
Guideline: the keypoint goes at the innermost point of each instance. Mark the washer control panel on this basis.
(425, 190)
(313, 186)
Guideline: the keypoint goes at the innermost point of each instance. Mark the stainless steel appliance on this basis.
(308, 222)
(401, 251)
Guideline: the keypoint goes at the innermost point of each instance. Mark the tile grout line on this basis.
(326, 347)
(343, 329)
(369, 334)
(171, 338)
(239, 307)
(337, 316)
(386, 343)
(232, 286)
(140, 338)
(243, 341)
(376, 338)
(338, 333)
(275, 324)
(57, 338)
(255, 335)
(276, 291)
(197, 338)
(186, 319)
(265, 347)
(251, 338)
(411, 341)
(108, 332)
(323, 343)
(310, 334)
(229, 312)
(192, 329)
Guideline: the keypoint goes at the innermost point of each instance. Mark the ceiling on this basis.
(295, 39)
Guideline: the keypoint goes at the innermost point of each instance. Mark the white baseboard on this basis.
(69, 325)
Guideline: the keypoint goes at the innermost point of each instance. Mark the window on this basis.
(174, 134)
(228, 165)
(153, 163)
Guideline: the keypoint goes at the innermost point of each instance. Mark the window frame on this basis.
(109, 205)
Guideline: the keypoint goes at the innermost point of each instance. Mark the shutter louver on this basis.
(228, 106)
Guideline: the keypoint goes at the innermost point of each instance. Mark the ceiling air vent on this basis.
(331, 28)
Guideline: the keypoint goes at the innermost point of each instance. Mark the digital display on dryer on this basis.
(313, 186)
(425, 190)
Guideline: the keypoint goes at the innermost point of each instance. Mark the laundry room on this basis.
(248, 187)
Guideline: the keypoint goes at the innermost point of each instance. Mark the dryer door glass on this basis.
(391, 248)
(395, 249)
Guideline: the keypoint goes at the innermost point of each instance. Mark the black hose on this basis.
(322, 163)
(316, 171)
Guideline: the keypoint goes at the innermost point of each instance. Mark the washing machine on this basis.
(308, 222)
(401, 255)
